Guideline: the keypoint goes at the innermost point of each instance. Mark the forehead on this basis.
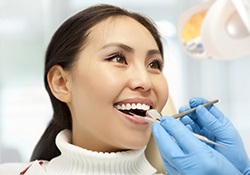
(122, 29)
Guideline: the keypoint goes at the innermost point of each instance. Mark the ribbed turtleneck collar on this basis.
(79, 161)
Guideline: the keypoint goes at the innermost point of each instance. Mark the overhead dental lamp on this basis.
(216, 29)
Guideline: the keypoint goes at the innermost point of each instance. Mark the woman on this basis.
(101, 64)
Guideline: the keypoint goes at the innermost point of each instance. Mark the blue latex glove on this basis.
(211, 123)
(185, 154)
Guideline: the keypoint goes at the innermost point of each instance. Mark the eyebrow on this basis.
(153, 52)
(120, 45)
(130, 49)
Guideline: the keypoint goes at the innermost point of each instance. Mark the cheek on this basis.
(95, 87)
(162, 91)
(92, 99)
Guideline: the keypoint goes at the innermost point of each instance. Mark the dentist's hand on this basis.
(183, 154)
(211, 123)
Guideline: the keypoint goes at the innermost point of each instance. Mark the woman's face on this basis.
(118, 68)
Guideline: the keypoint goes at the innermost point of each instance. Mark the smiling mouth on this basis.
(130, 109)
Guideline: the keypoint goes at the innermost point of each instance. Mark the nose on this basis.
(140, 79)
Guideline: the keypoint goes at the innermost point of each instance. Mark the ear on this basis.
(58, 80)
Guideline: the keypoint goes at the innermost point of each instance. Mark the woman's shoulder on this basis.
(22, 168)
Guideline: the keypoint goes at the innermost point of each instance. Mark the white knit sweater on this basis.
(78, 161)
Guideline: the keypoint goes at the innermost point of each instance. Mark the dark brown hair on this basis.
(63, 49)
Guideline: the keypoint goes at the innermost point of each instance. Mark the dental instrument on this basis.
(153, 115)
(178, 115)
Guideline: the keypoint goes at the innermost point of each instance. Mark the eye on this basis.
(117, 57)
(156, 64)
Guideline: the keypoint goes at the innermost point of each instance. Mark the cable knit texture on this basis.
(79, 161)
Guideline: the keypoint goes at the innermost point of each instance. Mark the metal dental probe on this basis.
(178, 115)
(153, 115)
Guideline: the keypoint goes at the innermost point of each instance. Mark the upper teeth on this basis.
(133, 106)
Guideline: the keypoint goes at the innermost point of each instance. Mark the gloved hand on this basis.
(211, 123)
(182, 153)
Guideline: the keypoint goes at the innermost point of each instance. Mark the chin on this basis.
(136, 145)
